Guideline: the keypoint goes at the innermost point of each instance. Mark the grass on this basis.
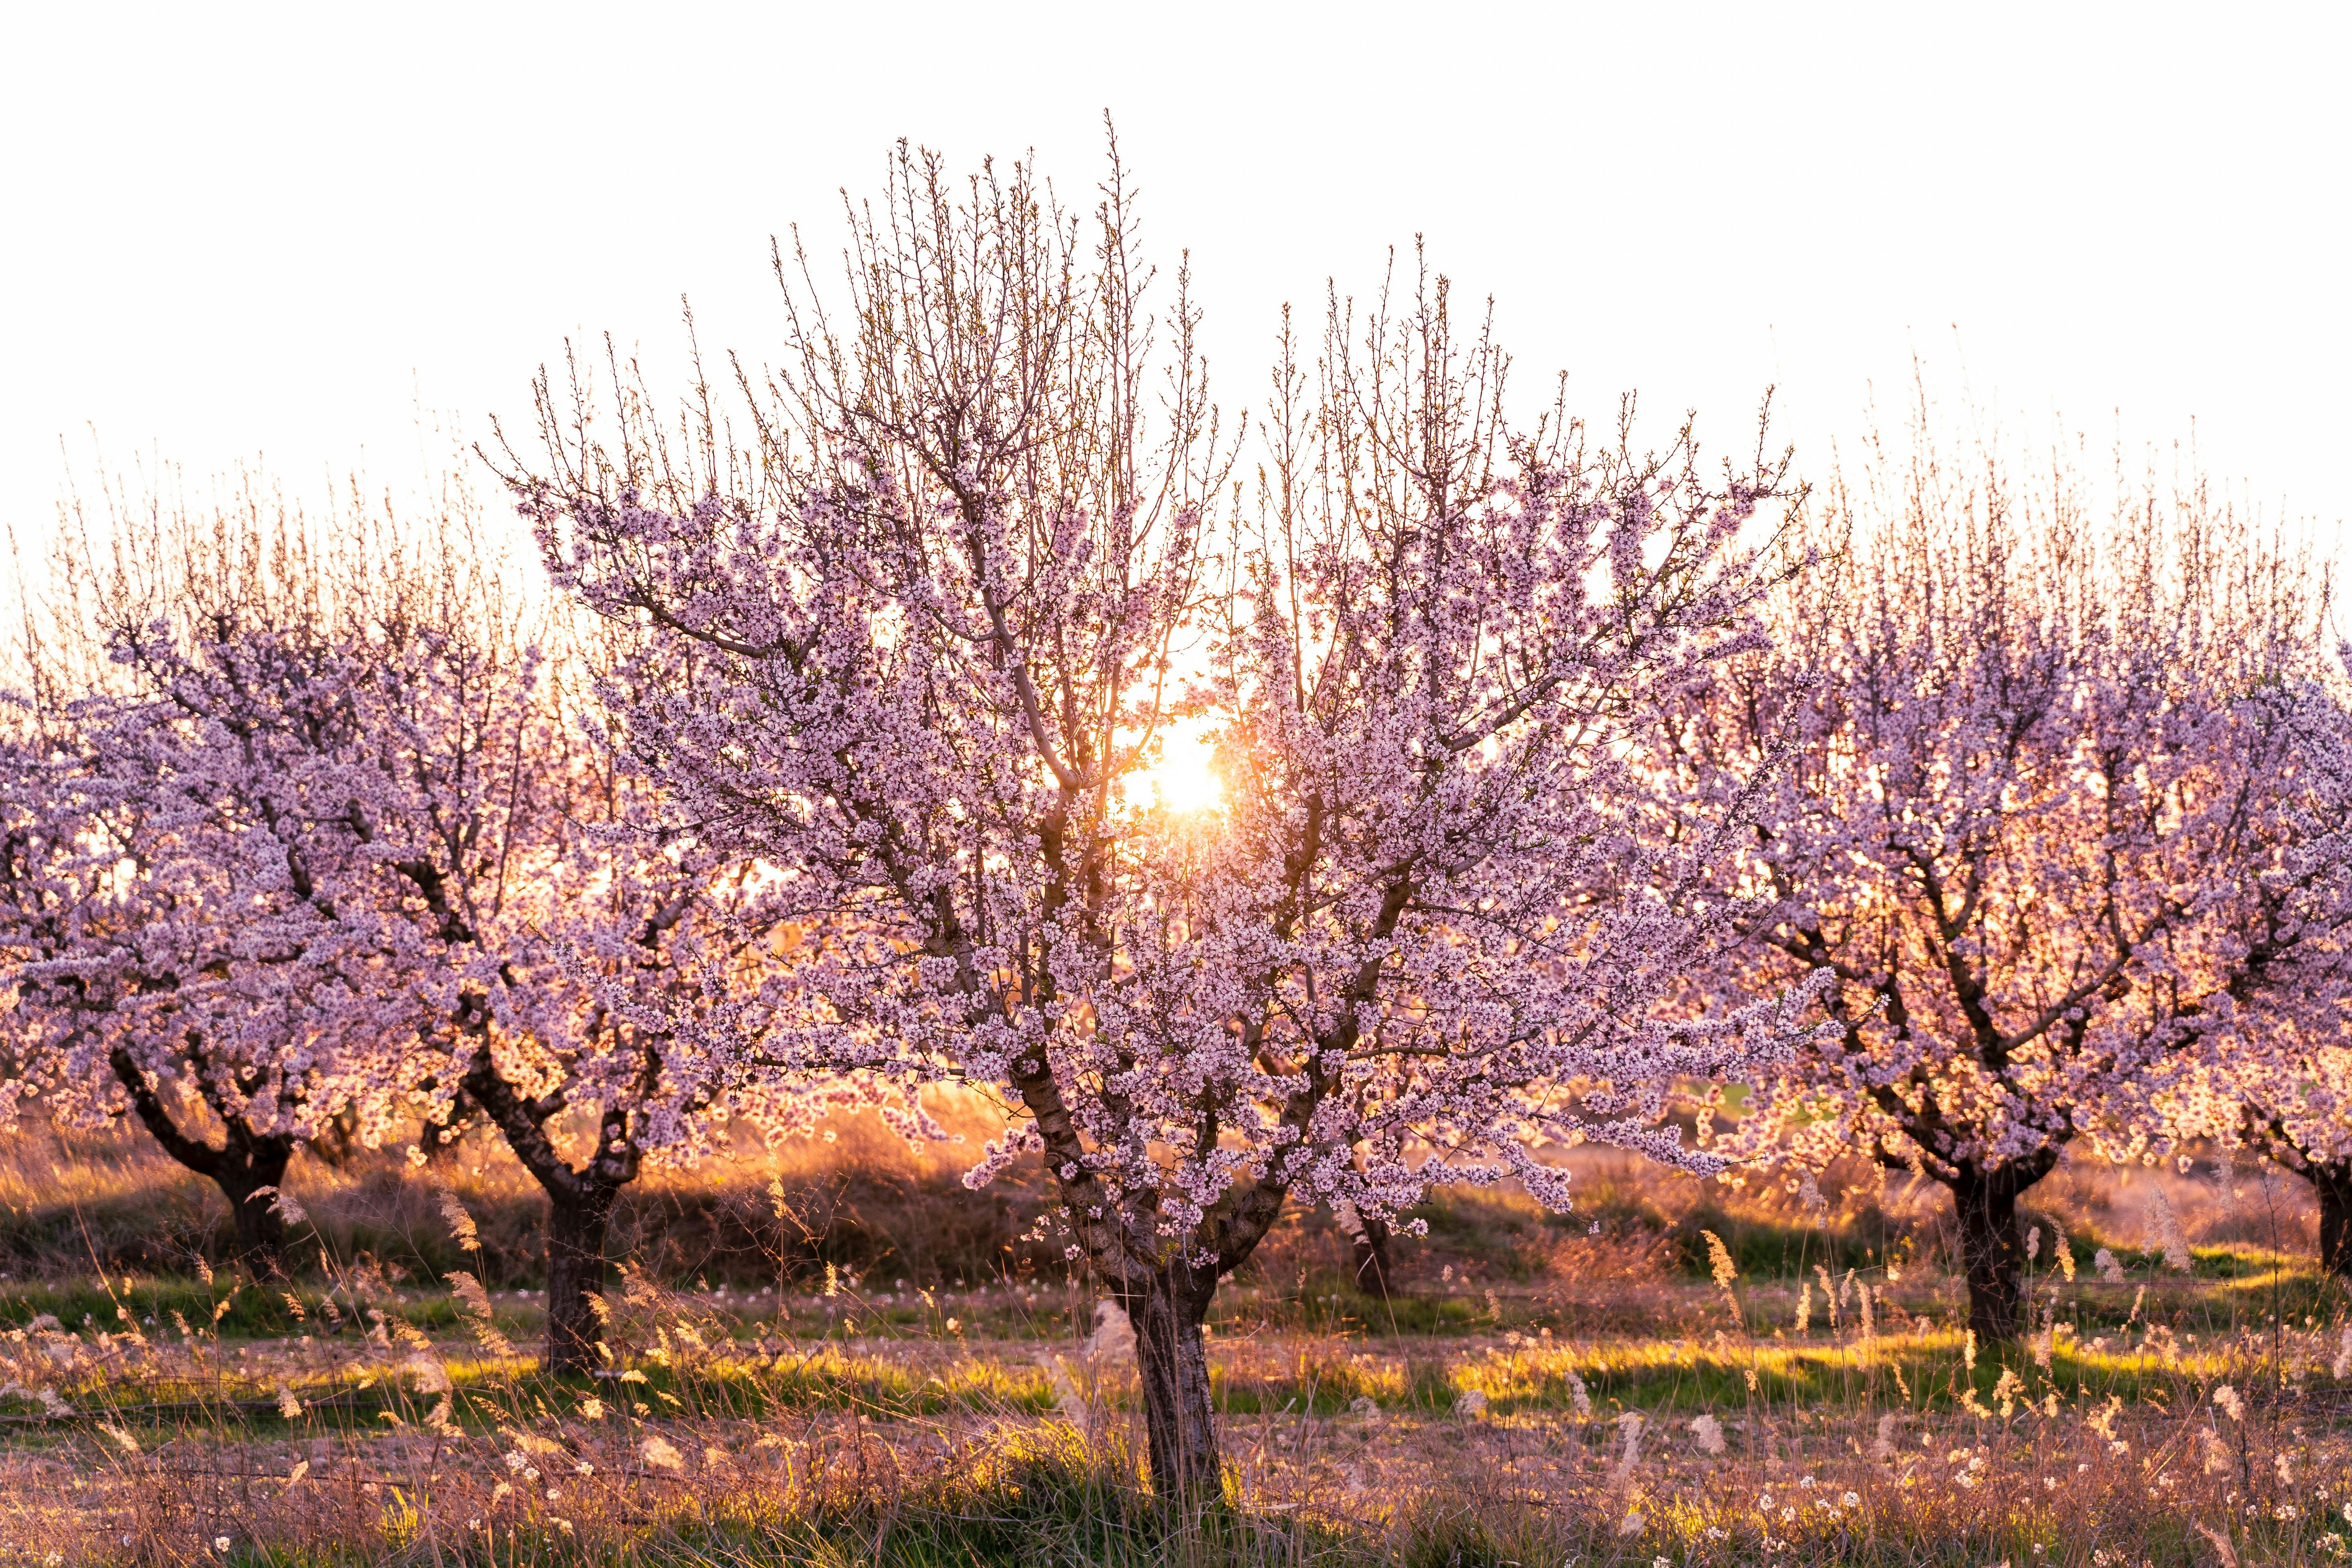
(1539, 1389)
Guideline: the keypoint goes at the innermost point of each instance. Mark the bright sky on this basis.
(277, 232)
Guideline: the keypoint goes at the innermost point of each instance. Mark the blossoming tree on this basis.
(553, 943)
(918, 650)
(2273, 1073)
(175, 926)
(2026, 825)
(304, 822)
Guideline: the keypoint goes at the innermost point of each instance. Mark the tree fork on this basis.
(243, 1165)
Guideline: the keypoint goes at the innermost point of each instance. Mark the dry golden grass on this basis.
(1536, 1393)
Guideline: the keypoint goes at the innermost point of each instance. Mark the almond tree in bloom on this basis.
(304, 819)
(175, 930)
(555, 935)
(2274, 1073)
(2027, 826)
(916, 649)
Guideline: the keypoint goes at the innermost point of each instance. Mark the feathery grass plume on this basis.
(657, 1450)
(1583, 1399)
(2065, 1257)
(2109, 1271)
(2005, 1389)
(1473, 1403)
(1809, 1193)
(288, 1405)
(122, 1438)
(1114, 1333)
(281, 1203)
(1707, 1433)
(1882, 1447)
(460, 1223)
(1805, 1308)
(1969, 1351)
(425, 1372)
(475, 1302)
(1719, 1259)
(2032, 1243)
(2225, 1399)
(1629, 1422)
(2169, 1234)
(1719, 1265)
(636, 1289)
(2221, 1547)
(1829, 1294)
(2225, 1181)
(2343, 1367)
(1066, 1397)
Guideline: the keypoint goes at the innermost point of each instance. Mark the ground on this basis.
(1533, 1392)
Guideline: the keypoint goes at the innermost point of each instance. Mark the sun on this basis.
(1184, 778)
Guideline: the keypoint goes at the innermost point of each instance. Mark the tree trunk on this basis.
(241, 1173)
(1373, 1268)
(576, 1271)
(243, 1165)
(2333, 1182)
(1174, 1361)
(1991, 1251)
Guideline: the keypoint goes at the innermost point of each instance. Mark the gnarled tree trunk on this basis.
(579, 1207)
(260, 1229)
(1369, 1247)
(1992, 1252)
(1173, 1359)
(576, 1223)
(247, 1163)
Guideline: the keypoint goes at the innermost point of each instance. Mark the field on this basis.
(833, 1353)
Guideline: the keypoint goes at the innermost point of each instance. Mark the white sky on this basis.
(277, 232)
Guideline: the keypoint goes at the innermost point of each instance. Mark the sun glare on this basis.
(1185, 779)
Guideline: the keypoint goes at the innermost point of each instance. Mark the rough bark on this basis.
(576, 1224)
(2333, 1184)
(260, 1232)
(1991, 1251)
(579, 1206)
(1172, 1360)
(1374, 1268)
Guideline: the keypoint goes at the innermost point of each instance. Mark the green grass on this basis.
(251, 1312)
